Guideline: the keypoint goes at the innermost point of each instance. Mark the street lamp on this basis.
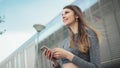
(38, 28)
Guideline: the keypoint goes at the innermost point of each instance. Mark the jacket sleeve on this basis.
(94, 56)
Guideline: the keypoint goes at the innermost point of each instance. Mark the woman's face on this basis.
(68, 16)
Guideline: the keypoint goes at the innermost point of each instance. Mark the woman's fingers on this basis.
(48, 54)
(51, 55)
(57, 55)
(45, 52)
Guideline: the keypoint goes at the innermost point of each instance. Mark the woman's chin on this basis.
(66, 24)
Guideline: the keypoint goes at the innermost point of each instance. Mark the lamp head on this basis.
(38, 27)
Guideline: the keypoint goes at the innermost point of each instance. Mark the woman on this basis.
(81, 50)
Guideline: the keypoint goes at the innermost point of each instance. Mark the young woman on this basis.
(81, 50)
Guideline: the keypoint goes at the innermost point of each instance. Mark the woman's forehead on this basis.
(66, 9)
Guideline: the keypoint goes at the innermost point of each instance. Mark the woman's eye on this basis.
(66, 12)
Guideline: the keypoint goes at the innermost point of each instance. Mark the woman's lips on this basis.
(65, 19)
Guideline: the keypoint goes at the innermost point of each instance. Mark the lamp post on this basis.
(38, 28)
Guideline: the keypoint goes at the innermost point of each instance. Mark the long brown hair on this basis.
(83, 40)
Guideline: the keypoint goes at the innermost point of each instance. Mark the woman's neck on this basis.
(74, 27)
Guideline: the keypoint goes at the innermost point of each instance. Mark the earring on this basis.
(76, 19)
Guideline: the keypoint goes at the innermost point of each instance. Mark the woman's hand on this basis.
(49, 55)
(61, 53)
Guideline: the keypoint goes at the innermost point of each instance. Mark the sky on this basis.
(20, 16)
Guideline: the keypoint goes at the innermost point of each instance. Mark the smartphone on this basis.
(43, 48)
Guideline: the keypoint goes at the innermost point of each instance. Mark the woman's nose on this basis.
(63, 16)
